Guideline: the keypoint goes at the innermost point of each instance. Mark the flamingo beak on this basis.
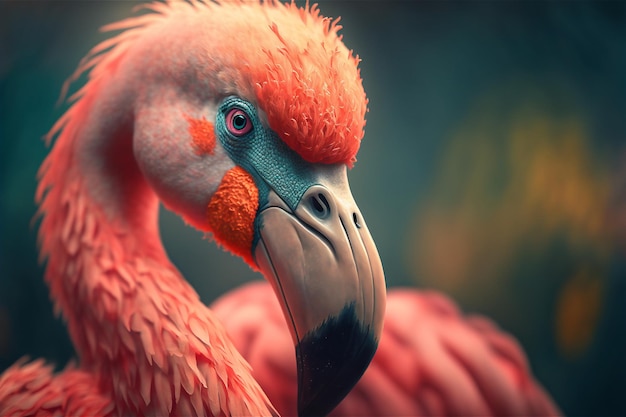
(324, 267)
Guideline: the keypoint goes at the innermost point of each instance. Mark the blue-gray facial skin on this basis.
(260, 151)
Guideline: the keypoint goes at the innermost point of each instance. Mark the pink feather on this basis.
(431, 360)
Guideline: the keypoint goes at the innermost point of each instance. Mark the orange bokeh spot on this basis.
(579, 306)
(202, 135)
(231, 213)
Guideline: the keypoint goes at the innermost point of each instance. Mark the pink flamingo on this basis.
(430, 361)
(242, 117)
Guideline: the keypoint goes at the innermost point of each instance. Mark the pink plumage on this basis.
(32, 389)
(146, 344)
(431, 361)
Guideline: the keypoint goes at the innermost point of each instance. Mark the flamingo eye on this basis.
(238, 122)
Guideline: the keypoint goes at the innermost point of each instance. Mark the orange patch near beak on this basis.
(231, 213)
(202, 135)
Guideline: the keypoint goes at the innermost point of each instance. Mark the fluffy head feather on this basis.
(290, 61)
(311, 90)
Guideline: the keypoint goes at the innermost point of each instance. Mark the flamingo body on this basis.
(242, 117)
(431, 361)
(33, 389)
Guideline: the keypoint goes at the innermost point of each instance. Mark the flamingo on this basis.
(242, 117)
(431, 361)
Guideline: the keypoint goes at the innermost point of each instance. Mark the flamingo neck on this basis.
(136, 324)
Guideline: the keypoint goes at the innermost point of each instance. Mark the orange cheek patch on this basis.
(202, 135)
(231, 213)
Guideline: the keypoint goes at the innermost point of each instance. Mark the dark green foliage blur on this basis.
(446, 82)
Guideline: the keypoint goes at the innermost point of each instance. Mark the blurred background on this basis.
(493, 168)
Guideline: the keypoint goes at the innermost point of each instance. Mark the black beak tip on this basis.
(331, 360)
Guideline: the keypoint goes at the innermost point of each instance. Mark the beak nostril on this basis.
(355, 219)
(316, 205)
(322, 197)
(320, 205)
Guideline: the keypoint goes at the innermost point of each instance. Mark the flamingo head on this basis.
(247, 118)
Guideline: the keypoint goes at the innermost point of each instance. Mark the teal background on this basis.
(447, 83)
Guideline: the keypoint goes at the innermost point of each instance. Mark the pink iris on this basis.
(238, 122)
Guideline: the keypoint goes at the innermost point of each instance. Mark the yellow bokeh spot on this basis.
(516, 176)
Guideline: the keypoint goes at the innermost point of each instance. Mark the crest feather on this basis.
(311, 90)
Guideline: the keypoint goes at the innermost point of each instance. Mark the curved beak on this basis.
(325, 269)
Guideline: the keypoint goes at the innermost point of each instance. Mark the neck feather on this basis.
(137, 325)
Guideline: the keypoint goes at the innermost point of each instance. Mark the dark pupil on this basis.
(239, 121)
